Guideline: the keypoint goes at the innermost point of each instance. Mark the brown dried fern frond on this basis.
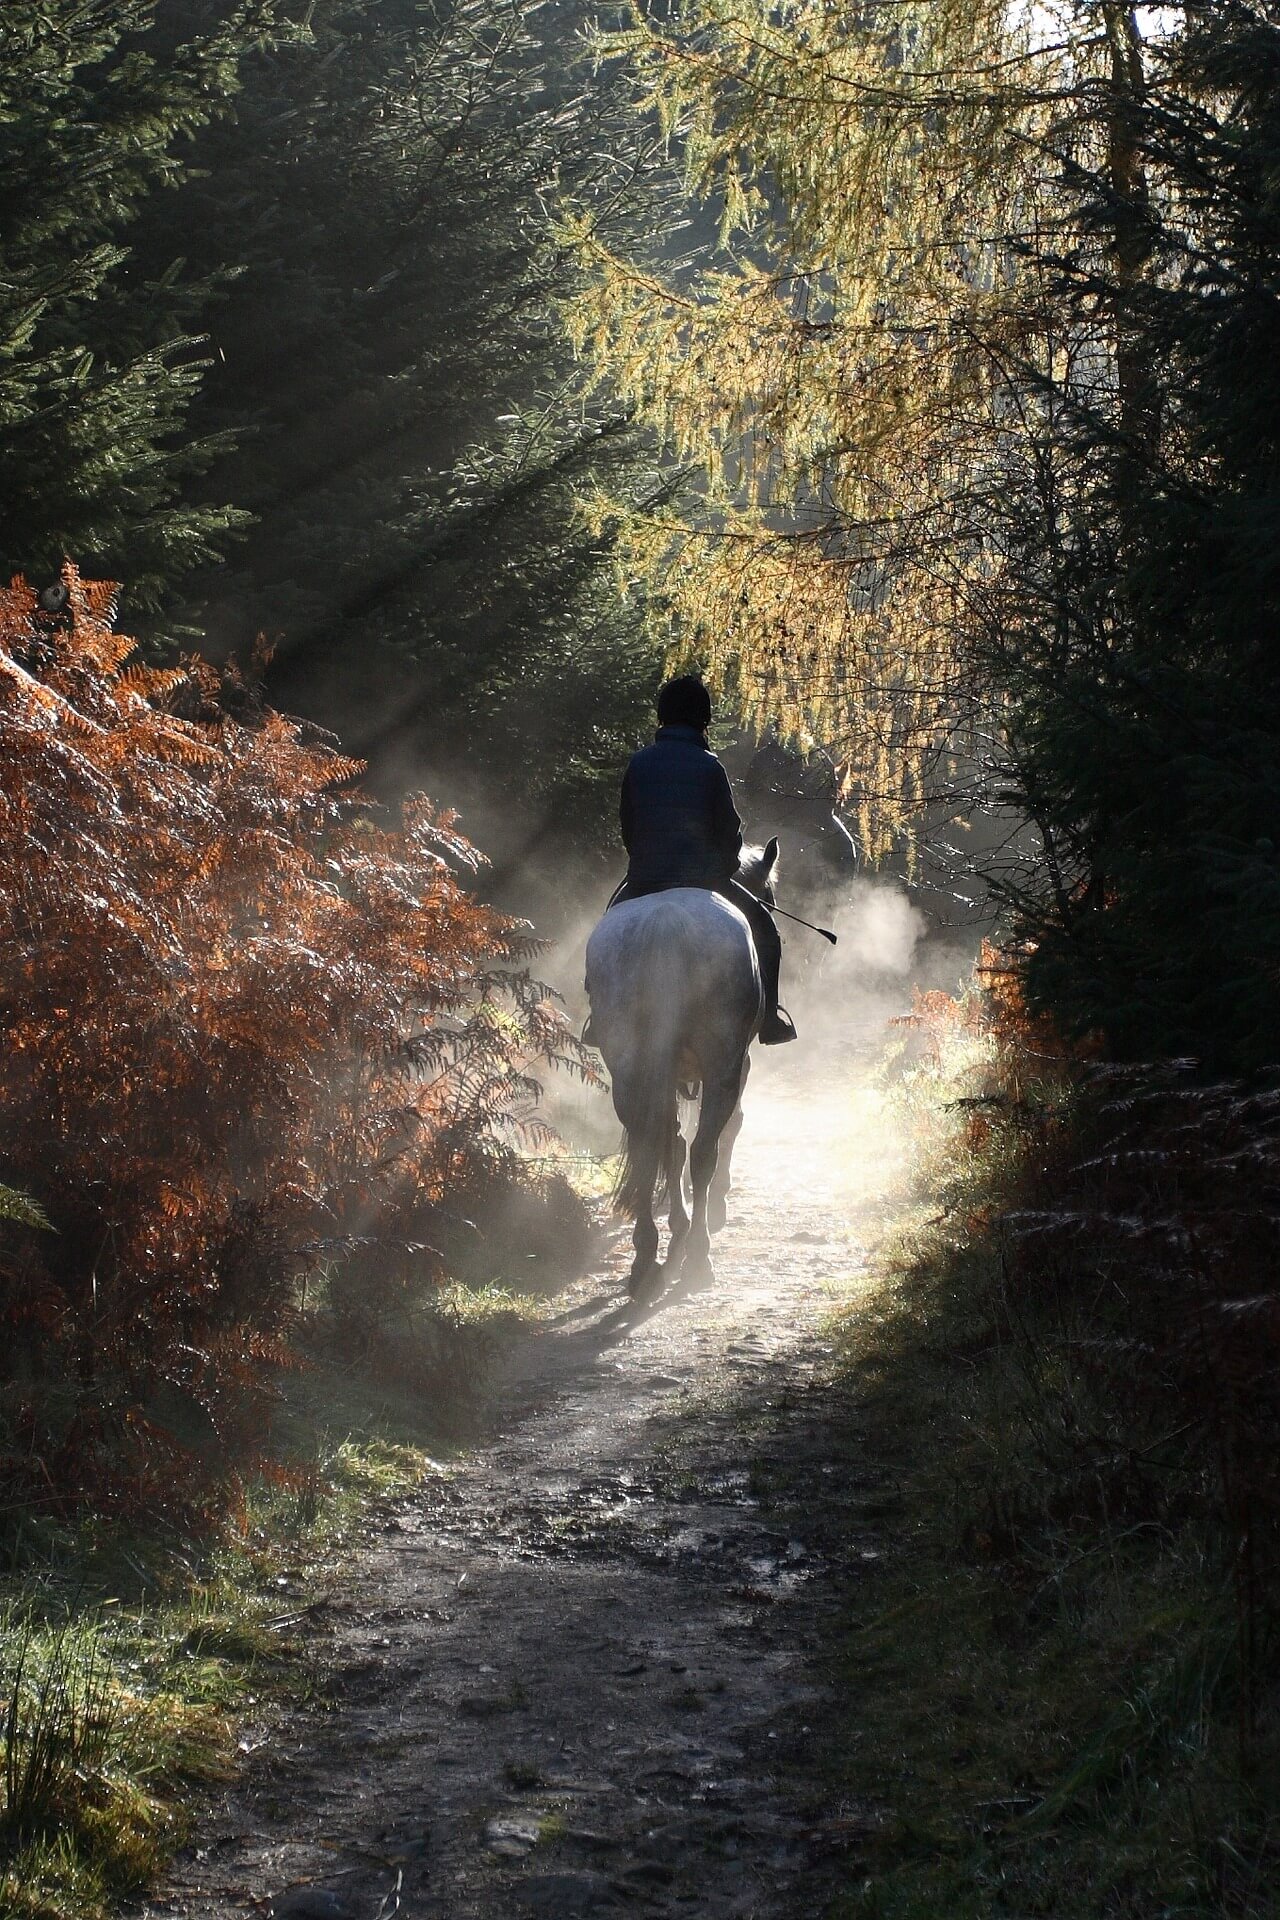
(245, 1028)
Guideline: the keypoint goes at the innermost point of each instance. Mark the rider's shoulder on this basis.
(675, 747)
(677, 739)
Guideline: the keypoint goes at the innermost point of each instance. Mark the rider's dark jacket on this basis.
(679, 824)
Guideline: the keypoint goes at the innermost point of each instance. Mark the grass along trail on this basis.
(582, 1671)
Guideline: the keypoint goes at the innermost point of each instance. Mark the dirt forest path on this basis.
(579, 1676)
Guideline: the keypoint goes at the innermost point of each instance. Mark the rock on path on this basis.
(578, 1677)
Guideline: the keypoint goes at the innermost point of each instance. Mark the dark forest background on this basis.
(281, 354)
(284, 356)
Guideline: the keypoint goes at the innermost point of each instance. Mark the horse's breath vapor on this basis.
(882, 930)
(842, 998)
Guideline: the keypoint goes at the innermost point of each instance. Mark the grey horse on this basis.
(675, 1004)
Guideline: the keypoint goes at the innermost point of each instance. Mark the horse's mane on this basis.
(751, 868)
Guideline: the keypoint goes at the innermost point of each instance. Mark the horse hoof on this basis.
(645, 1284)
(697, 1268)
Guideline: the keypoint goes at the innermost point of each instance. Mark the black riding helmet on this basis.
(684, 702)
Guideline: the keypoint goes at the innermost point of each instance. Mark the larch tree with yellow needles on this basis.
(874, 350)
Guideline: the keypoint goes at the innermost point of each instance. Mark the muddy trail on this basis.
(583, 1673)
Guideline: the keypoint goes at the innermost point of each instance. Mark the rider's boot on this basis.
(776, 1024)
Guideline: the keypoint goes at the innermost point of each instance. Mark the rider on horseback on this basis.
(681, 829)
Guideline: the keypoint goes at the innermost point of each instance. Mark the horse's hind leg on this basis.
(637, 1103)
(644, 1239)
(642, 1174)
(719, 1098)
(718, 1198)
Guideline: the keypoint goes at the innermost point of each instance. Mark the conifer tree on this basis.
(411, 437)
(99, 358)
(1134, 636)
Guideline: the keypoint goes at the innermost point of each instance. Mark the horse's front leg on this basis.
(719, 1098)
(718, 1198)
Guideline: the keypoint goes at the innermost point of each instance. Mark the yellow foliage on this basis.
(847, 385)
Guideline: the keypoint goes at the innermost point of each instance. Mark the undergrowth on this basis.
(260, 1041)
(131, 1662)
(1061, 1686)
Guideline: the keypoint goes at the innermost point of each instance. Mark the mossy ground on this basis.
(1039, 1686)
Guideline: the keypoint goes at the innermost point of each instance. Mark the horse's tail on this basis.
(644, 1077)
(650, 1131)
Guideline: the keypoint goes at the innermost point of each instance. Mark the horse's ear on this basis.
(770, 858)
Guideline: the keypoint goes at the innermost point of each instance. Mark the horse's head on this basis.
(756, 869)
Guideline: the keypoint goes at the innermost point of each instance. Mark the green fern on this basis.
(22, 1209)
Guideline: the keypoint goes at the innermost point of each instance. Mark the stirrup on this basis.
(777, 1027)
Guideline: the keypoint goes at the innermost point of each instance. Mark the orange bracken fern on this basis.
(247, 1029)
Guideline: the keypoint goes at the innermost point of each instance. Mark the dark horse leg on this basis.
(643, 1154)
(644, 1237)
(719, 1098)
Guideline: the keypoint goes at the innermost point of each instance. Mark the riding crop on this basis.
(824, 931)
